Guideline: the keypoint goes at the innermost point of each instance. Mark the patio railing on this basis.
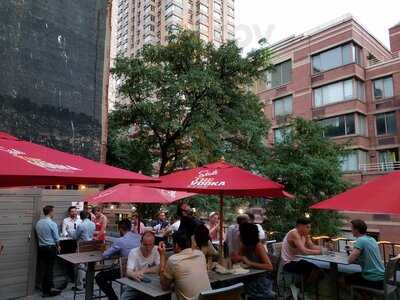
(380, 167)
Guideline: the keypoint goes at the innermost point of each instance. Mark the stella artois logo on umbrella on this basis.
(205, 179)
(52, 167)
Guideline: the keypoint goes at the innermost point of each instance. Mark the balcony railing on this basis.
(380, 167)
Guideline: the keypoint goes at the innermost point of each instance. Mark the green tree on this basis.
(308, 164)
(189, 103)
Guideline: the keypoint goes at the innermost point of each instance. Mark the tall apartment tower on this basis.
(141, 22)
(136, 23)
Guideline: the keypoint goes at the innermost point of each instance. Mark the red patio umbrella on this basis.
(221, 179)
(379, 196)
(128, 193)
(24, 163)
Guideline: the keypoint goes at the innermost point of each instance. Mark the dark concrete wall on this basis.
(51, 56)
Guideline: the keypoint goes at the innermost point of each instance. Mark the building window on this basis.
(383, 88)
(202, 8)
(202, 28)
(361, 128)
(339, 126)
(172, 9)
(173, 19)
(336, 57)
(281, 74)
(280, 134)
(204, 37)
(386, 123)
(217, 7)
(353, 160)
(338, 92)
(217, 36)
(283, 106)
(388, 159)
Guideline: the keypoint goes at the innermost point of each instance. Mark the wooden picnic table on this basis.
(154, 290)
(90, 258)
(334, 259)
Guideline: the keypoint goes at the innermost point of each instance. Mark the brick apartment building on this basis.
(343, 77)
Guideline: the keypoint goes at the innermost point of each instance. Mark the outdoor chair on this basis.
(285, 282)
(232, 292)
(321, 240)
(341, 243)
(123, 262)
(388, 250)
(390, 285)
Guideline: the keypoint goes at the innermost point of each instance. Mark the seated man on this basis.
(366, 253)
(86, 229)
(187, 269)
(298, 242)
(232, 238)
(122, 246)
(141, 260)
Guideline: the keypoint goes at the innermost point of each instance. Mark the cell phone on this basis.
(146, 279)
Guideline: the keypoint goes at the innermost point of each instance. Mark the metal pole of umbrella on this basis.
(221, 225)
(138, 218)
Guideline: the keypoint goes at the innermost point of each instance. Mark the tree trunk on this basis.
(163, 160)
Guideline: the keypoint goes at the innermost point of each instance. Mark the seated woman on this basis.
(201, 240)
(254, 255)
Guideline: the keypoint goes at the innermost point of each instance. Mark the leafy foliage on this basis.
(308, 164)
(189, 103)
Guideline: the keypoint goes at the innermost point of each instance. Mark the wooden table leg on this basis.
(333, 278)
(89, 281)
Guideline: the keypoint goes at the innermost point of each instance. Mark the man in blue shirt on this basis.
(48, 238)
(366, 253)
(86, 229)
(122, 246)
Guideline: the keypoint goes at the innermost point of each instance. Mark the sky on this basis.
(279, 19)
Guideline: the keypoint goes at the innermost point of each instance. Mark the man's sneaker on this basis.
(52, 293)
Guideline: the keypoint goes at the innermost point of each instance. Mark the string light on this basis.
(240, 211)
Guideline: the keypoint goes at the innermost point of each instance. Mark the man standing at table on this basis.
(187, 269)
(48, 238)
(122, 246)
(69, 226)
(161, 223)
(141, 260)
(188, 221)
(366, 253)
(71, 223)
(85, 230)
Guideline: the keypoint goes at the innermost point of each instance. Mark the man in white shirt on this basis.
(141, 260)
(69, 226)
(261, 232)
(71, 223)
(232, 238)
